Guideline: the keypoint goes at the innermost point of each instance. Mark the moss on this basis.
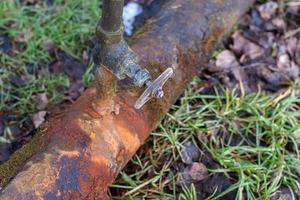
(10, 168)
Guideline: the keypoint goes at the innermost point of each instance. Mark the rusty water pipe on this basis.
(109, 32)
(83, 150)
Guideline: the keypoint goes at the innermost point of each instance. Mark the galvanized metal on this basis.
(112, 11)
(85, 149)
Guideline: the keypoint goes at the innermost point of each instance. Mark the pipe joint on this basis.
(109, 37)
(120, 60)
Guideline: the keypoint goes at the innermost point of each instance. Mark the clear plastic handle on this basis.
(154, 89)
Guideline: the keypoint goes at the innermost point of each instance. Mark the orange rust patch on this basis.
(207, 45)
(69, 153)
(100, 160)
(130, 140)
(136, 122)
(93, 135)
(94, 186)
(121, 155)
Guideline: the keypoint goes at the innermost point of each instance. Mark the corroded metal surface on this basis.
(85, 148)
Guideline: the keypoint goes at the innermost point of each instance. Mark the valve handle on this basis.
(154, 89)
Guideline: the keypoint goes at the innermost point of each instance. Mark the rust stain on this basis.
(69, 153)
(86, 147)
(213, 38)
(129, 139)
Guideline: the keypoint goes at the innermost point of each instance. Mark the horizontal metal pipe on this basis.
(85, 150)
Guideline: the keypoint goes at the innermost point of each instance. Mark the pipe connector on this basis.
(154, 89)
(120, 60)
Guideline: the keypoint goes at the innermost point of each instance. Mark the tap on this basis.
(116, 60)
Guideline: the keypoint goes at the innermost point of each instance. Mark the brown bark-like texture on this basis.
(86, 148)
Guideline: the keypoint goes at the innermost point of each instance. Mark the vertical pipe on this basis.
(112, 11)
(109, 32)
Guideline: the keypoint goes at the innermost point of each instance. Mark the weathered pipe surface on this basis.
(85, 151)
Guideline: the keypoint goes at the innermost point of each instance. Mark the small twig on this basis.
(291, 33)
(281, 96)
(256, 64)
(293, 3)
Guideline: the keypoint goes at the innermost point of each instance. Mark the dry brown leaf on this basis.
(41, 101)
(195, 172)
(226, 60)
(267, 10)
(25, 36)
(242, 46)
(38, 118)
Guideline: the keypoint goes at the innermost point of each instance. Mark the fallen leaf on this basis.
(38, 118)
(242, 46)
(226, 60)
(283, 193)
(291, 45)
(41, 101)
(50, 46)
(189, 153)
(56, 67)
(24, 36)
(26, 77)
(283, 62)
(69, 65)
(15, 132)
(288, 66)
(5, 45)
(195, 172)
(293, 8)
(267, 10)
(256, 18)
(279, 23)
(85, 56)
(76, 90)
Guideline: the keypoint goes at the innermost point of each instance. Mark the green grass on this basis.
(259, 164)
(67, 24)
